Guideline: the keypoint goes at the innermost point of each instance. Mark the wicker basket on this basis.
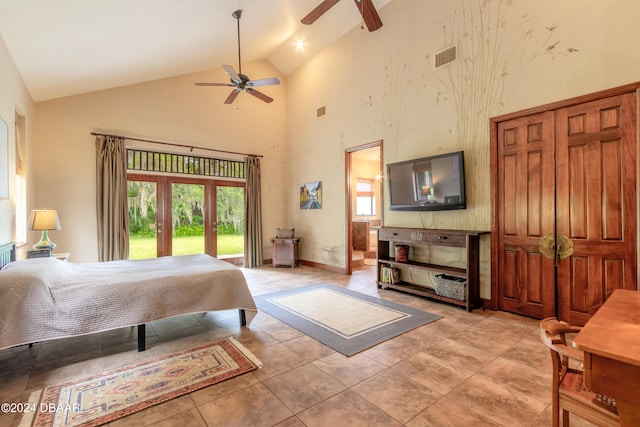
(402, 253)
(285, 233)
(451, 287)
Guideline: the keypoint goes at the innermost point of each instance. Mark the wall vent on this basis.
(321, 111)
(445, 56)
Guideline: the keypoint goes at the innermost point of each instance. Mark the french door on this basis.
(566, 208)
(180, 216)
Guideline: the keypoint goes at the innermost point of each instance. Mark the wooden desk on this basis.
(611, 344)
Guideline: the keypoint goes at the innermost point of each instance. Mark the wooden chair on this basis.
(568, 392)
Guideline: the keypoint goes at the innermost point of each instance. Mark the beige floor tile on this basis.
(276, 360)
(346, 409)
(349, 370)
(303, 387)
(460, 356)
(156, 414)
(308, 348)
(431, 371)
(283, 332)
(215, 391)
(188, 418)
(498, 402)
(291, 422)
(253, 406)
(519, 377)
(397, 395)
(449, 413)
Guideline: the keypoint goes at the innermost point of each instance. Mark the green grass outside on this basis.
(145, 247)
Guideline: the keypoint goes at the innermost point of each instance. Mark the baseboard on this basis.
(332, 268)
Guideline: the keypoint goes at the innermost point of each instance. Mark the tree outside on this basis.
(187, 219)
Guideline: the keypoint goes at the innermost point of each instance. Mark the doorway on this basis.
(565, 206)
(182, 216)
(364, 203)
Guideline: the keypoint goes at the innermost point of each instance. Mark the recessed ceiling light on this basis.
(299, 44)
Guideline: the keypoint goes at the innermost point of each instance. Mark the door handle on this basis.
(556, 246)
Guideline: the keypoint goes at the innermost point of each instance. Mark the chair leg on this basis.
(565, 418)
(555, 408)
(555, 416)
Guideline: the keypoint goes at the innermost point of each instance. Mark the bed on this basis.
(45, 298)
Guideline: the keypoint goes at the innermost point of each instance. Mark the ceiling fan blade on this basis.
(232, 96)
(258, 95)
(232, 74)
(214, 84)
(318, 11)
(369, 14)
(264, 82)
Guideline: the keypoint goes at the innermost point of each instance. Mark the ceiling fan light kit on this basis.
(241, 82)
(365, 7)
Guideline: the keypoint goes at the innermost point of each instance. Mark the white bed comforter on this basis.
(45, 298)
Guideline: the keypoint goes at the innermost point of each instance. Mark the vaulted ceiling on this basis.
(68, 47)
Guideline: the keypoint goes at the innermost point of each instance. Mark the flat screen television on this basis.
(432, 183)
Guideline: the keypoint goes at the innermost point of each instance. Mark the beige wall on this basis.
(383, 85)
(172, 110)
(14, 98)
(375, 86)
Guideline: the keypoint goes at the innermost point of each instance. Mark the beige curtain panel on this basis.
(20, 151)
(111, 198)
(253, 214)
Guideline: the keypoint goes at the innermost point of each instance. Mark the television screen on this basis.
(427, 184)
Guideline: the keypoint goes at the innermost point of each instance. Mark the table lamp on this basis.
(44, 220)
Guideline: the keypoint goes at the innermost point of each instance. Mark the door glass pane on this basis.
(187, 211)
(142, 219)
(230, 219)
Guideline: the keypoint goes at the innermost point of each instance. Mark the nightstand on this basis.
(285, 252)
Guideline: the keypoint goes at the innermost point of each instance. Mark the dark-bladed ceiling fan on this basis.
(366, 8)
(240, 82)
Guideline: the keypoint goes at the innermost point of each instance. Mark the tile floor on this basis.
(481, 368)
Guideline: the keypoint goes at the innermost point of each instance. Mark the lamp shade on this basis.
(43, 219)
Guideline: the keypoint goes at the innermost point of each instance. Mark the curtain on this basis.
(253, 214)
(20, 149)
(21, 183)
(111, 198)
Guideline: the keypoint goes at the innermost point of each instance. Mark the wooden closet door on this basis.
(526, 189)
(596, 203)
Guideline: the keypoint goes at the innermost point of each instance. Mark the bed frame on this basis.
(8, 254)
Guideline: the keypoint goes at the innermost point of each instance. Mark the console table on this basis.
(469, 239)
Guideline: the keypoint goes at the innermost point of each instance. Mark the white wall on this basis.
(13, 98)
(383, 85)
(171, 110)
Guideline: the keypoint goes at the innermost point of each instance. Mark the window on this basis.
(365, 197)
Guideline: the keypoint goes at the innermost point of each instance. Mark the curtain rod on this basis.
(175, 145)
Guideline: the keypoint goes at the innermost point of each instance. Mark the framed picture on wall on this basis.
(311, 195)
(4, 160)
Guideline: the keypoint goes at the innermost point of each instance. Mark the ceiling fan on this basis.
(366, 8)
(241, 82)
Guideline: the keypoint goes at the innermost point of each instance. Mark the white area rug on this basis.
(340, 318)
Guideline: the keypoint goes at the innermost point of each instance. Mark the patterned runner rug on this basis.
(105, 397)
(345, 320)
